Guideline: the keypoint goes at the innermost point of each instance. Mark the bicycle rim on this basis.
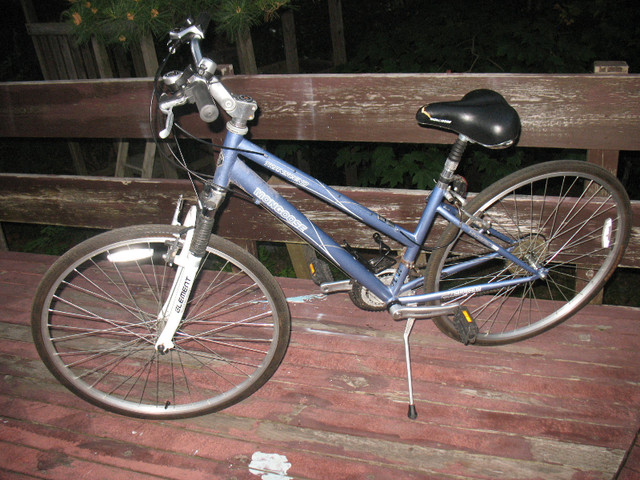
(95, 324)
(571, 218)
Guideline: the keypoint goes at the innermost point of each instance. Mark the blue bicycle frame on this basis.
(232, 169)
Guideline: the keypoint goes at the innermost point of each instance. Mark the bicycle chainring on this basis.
(364, 299)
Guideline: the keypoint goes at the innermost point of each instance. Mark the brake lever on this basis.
(166, 105)
(168, 126)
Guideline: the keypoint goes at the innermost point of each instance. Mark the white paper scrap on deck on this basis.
(271, 466)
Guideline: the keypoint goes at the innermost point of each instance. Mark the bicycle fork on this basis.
(199, 224)
(173, 309)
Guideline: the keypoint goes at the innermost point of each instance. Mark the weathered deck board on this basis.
(563, 405)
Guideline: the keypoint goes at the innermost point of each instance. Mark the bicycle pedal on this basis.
(320, 272)
(465, 326)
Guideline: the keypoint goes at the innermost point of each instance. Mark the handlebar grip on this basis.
(206, 105)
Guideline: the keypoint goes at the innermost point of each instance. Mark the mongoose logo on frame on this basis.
(279, 210)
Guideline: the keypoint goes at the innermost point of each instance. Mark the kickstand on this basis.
(407, 331)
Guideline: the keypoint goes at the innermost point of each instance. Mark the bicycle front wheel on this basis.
(570, 217)
(95, 324)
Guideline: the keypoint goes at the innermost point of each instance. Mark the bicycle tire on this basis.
(535, 207)
(95, 324)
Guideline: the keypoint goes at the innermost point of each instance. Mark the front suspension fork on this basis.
(199, 223)
(173, 309)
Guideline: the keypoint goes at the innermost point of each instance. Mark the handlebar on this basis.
(206, 105)
(198, 84)
(192, 32)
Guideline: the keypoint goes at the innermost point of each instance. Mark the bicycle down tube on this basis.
(231, 169)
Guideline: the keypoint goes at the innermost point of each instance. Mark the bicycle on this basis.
(172, 321)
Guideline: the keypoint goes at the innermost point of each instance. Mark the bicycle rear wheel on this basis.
(95, 324)
(570, 217)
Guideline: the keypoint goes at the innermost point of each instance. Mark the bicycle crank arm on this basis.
(403, 312)
(339, 286)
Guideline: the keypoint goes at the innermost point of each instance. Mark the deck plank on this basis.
(558, 406)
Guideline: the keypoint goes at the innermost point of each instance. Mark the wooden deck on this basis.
(565, 405)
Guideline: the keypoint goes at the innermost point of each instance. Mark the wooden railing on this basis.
(561, 111)
(597, 112)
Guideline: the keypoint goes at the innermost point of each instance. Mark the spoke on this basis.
(122, 287)
(559, 288)
(112, 362)
(127, 290)
(244, 322)
(106, 296)
(82, 332)
(574, 260)
(226, 343)
(559, 200)
(100, 318)
(577, 228)
(217, 357)
(227, 302)
(212, 356)
(184, 374)
(197, 301)
(135, 376)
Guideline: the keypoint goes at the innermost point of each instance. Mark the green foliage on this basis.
(490, 167)
(234, 16)
(289, 150)
(55, 240)
(418, 166)
(393, 166)
(125, 21)
(276, 259)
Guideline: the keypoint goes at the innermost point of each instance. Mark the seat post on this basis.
(450, 166)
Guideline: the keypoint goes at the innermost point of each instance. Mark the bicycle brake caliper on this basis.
(465, 326)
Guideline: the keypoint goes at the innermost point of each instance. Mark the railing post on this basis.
(607, 159)
(300, 254)
(3, 241)
(337, 32)
(290, 44)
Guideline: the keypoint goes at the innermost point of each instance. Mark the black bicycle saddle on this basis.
(483, 116)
